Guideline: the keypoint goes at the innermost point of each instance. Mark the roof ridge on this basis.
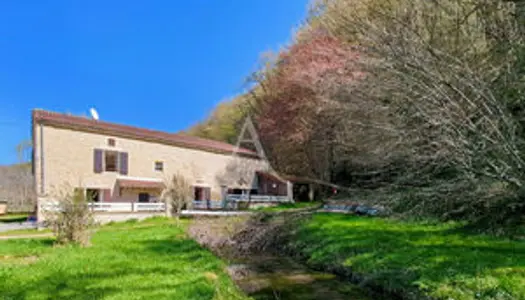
(89, 124)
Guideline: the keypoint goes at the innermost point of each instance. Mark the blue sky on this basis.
(155, 64)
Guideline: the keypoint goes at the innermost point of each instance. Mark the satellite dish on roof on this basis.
(94, 113)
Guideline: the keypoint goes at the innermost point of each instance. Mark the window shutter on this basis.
(97, 160)
(123, 163)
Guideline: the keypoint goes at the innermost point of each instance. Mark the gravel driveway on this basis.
(16, 226)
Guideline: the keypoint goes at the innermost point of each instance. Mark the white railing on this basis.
(54, 206)
(51, 206)
(257, 198)
(231, 203)
(204, 204)
(158, 206)
(111, 207)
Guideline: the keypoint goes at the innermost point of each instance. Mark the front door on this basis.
(143, 197)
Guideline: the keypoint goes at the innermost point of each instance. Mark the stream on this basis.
(269, 274)
(280, 277)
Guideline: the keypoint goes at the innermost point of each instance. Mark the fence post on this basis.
(224, 196)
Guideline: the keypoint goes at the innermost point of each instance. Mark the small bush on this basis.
(73, 221)
(177, 194)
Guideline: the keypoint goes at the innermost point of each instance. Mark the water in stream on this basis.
(279, 277)
(270, 275)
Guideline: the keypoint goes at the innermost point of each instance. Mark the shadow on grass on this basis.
(405, 256)
(64, 285)
(13, 218)
(25, 247)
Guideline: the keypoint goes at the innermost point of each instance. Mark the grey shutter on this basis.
(207, 193)
(123, 162)
(97, 160)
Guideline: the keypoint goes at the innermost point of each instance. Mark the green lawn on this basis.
(288, 206)
(442, 261)
(135, 260)
(11, 218)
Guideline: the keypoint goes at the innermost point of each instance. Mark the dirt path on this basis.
(16, 226)
(25, 236)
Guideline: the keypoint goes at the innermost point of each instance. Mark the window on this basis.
(235, 191)
(92, 195)
(201, 193)
(159, 166)
(111, 161)
(143, 197)
(111, 142)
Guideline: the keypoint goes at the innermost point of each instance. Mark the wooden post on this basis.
(39, 214)
(311, 192)
(224, 197)
(249, 199)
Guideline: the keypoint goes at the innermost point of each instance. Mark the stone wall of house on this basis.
(68, 162)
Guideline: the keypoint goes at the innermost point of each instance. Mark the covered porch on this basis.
(133, 194)
(128, 195)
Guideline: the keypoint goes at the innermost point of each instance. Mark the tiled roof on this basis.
(295, 179)
(112, 129)
(270, 176)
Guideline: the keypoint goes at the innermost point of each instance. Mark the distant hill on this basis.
(224, 122)
(17, 187)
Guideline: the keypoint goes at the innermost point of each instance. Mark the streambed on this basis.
(268, 273)
(280, 277)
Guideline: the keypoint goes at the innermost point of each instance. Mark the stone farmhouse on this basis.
(124, 168)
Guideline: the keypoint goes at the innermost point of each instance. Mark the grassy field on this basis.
(152, 259)
(442, 261)
(11, 218)
(288, 206)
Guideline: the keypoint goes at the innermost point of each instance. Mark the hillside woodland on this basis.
(414, 104)
(17, 187)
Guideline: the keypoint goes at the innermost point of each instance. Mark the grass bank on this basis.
(288, 206)
(442, 261)
(152, 259)
(13, 218)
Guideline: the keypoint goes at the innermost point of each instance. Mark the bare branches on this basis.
(17, 187)
(177, 194)
(72, 221)
(401, 93)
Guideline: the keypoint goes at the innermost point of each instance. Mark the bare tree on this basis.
(17, 187)
(177, 194)
(72, 219)
(439, 121)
